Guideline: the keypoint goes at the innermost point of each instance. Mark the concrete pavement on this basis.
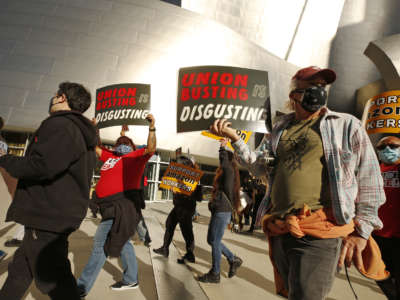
(162, 278)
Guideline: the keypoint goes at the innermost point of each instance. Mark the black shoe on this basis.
(121, 286)
(82, 293)
(210, 277)
(189, 256)
(147, 243)
(162, 251)
(13, 243)
(233, 266)
(2, 255)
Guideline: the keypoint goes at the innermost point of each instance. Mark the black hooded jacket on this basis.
(55, 174)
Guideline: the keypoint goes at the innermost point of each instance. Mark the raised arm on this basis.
(98, 146)
(151, 139)
(255, 162)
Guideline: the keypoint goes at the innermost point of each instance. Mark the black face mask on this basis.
(51, 104)
(314, 98)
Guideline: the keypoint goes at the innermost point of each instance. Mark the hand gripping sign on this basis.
(244, 135)
(207, 93)
(382, 113)
(126, 103)
(181, 179)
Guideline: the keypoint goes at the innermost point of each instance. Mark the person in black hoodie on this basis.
(182, 213)
(225, 199)
(52, 196)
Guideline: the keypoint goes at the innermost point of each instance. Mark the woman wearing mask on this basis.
(120, 201)
(225, 198)
(388, 238)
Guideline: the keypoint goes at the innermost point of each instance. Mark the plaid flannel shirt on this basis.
(355, 178)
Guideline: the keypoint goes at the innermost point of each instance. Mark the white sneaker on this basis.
(120, 286)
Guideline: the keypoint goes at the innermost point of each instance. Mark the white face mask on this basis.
(389, 155)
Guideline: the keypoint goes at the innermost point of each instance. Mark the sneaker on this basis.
(2, 255)
(147, 243)
(233, 266)
(13, 243)
(162, 251)
(120, 286)
(189, 256)
(82, 293)
(209, 277)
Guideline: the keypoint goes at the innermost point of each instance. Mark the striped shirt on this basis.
(355, 179)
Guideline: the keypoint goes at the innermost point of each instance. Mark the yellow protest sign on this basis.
(180, 178)
(384, 113)
(244, 135)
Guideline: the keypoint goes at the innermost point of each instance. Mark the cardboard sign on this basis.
(207, 93)
(244, 135)
(180, 178)
(118, 104)
(384, 113)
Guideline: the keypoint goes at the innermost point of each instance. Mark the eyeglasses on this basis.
(391, 146)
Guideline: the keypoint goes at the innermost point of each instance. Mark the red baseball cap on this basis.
(310, 72)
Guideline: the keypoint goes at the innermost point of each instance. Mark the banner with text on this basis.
(383, 114)
(126, 103)
(207, 93)
(181, 179)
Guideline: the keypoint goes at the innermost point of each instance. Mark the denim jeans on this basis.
(98, 258)
(216, 230)
(307, 265)
(142, 231)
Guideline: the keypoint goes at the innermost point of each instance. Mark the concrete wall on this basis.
(362, 21)
(297, 31)
(102, 42)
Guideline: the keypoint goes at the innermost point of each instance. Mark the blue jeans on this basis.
(143, 232)
(216, 230)
(98, 258)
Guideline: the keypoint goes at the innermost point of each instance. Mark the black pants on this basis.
(255, 210)
(184, 218)
(307, 265)
(42, 256)
(390, 249)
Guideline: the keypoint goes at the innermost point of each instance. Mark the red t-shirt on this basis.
(121, 173)
(389, 212)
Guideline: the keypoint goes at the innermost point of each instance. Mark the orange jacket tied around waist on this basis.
(321, 224)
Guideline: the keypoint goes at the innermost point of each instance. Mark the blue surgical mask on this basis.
(123, 149)
(389, 155)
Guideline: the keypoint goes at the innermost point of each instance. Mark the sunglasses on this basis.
(391, 146)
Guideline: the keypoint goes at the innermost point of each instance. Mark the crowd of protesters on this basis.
(319, 209)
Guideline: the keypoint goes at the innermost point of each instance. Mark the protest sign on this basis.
(244, 135)
(383, 113)
(118, 104)
(207, 93)
(180, 178)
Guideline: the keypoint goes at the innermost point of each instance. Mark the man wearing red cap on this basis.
(325, 173)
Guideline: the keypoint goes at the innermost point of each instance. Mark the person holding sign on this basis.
(182, 213)
(388, 238)
(52, 195)
(120, 202)
(325, 167)
(225, 199)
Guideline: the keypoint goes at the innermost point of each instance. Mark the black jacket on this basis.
(125, 209)
(223, 201)
(54, 175)
(187, 204)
